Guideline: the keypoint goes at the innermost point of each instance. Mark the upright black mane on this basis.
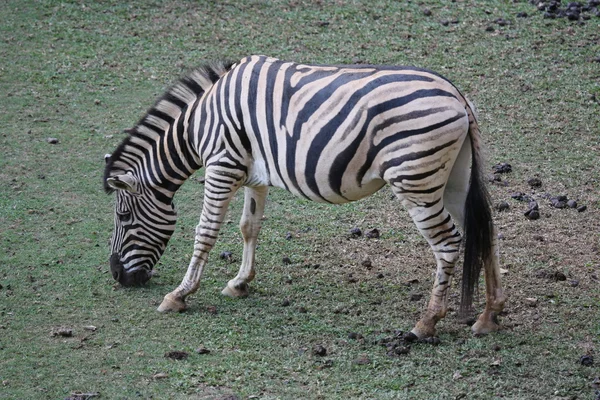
(195, 83)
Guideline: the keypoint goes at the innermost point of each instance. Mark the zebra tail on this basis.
(478, 225)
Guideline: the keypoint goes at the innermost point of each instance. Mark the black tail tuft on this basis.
(478, 227)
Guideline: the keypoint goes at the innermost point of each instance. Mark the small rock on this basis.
(445, 22)
(581, 208)
(489, 29)
(416, 297)
(574, 283)
(160, 375)
(285, 303)
(372, 234)
(286, 260)
(533, 205)
(502, 206)
(531, 301)
(380, 276)
(532, 214)
(572, 204)
(522, 15)
(226, 255)
(559, 276)
(355, 232)
(554, 202)
(502, 168)
(367, 264)
(202, 350)
(289, 236)
(90, 328)
(427, 12)
(362, 360)
(319, 350)
(433, 340)
(177, 355)
(586, 360)
(211, 310)
(534, 182)
(52, 140)
(63, 332)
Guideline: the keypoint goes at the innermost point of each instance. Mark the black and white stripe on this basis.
(331, 134)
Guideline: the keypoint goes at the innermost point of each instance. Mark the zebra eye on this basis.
(124, 217)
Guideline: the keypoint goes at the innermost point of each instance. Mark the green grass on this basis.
(83, 72)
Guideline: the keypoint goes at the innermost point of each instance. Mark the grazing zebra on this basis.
(332, 134)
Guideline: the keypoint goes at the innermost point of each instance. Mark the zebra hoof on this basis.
(236, 290)
(422, 330)
(171, 304)
(486, 323)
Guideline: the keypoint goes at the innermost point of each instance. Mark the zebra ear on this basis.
(125, 182)
(106, 158)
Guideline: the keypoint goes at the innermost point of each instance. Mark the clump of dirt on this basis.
(62, 332)
(574, 11)
(319, 350)
(177, 355)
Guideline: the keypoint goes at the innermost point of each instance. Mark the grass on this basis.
(82, 72)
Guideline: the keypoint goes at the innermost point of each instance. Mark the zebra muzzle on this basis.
(125, 278)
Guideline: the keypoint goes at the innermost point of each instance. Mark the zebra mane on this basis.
(155, 123)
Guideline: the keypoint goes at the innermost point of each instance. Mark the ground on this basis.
(324, 322)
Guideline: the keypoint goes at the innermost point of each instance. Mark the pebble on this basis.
(572, 204)
(286, 260)
(52, 140)
(534, 182)
(427, 12)
(372, 234)
(319, 350)
(586, 360)
(202, 350)
(581, 208)
(502, 206)
(226, 255)
(355, 232)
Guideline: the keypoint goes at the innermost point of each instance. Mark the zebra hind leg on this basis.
(254, 206)
(436, 225)
(218, 192)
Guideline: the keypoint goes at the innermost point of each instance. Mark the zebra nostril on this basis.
(116, 268)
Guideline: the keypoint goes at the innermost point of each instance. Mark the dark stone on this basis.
(581, 208)
(372, 234)
(572, 204)
(502, 206)
(355, 232)
(319, 350)
(533, 205)
(556, 203)
(427, 12)
(177, 355)
(534, 182)
(226, 255)
(489, 29)
(532, 214)
(286, 260)
(285, 303)
(586, 360)
(288, 236)
(522, 15)
(380, 276)
(445, 22)
(416, 297)
(502, 168)
(559, 276)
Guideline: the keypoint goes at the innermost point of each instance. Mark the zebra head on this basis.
(143, 225)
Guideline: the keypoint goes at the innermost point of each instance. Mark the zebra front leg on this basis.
(218, 191)
(435, 224)
(494, 294)
(254, 206)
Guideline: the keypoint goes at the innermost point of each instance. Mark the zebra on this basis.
(327, 133)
